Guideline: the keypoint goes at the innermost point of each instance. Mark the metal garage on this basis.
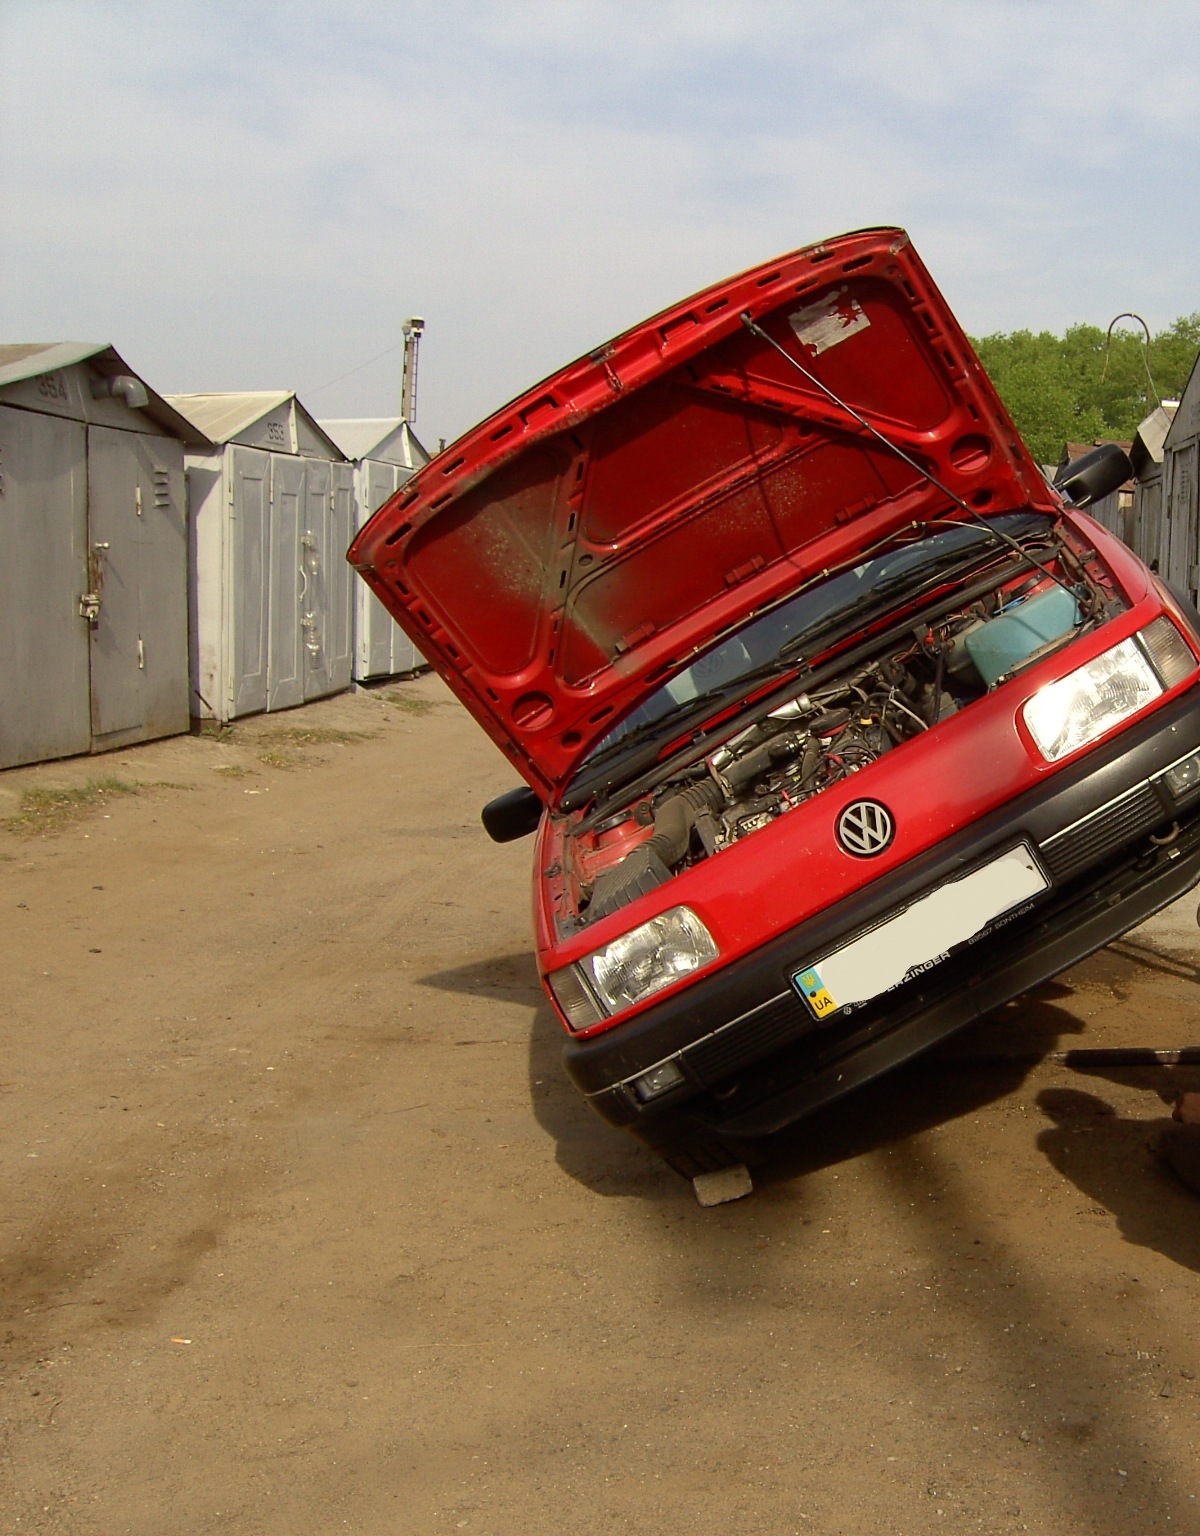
(385, 452)
(1179, 538)
(1146, 455)
(93, 554)
(271, 509)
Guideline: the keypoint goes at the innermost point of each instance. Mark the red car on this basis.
(839, 725)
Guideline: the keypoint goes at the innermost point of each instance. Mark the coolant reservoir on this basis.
(1005, 641)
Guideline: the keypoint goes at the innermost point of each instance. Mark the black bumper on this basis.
(753, 1057)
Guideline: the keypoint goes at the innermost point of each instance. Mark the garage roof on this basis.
(23, 360)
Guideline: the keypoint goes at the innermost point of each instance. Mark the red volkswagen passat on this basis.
(839, 726)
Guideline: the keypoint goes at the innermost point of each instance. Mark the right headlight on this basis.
(1083, 706)
(632, 967)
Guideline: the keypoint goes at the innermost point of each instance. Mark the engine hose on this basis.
(938, 676)
(752, 765)
(675, 818)
(652, 863)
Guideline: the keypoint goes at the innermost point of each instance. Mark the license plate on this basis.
(920, 936)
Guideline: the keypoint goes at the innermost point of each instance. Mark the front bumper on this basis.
(753, 1058)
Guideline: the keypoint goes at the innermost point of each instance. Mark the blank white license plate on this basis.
(922, 935)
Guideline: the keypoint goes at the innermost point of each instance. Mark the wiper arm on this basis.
(677, 717)
(697, 711)
(799, 644)
(791, 655)
(915, 581)
(603, 788)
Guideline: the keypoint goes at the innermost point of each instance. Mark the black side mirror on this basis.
(1096, 475)
(511, 816)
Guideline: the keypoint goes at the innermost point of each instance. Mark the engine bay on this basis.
(932, 658)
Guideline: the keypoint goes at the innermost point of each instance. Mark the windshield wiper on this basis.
(795, 653)
(602, 779)
(679, 715)
(915, 580)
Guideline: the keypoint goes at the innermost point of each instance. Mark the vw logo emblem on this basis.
(865, 828)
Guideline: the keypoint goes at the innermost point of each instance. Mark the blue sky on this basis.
(253, 196)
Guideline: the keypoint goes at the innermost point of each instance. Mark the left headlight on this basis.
(633, 967)
(1090, 701)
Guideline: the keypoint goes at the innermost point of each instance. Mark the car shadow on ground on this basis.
(508, 978)
(605, 1160)
(1110, 1160)
(1147, 957)
(979, 1065)
(1104, 1156)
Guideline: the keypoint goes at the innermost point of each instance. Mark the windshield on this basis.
(818, 613)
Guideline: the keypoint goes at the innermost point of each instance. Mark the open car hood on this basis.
(561, 560)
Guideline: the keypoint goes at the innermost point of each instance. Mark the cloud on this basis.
(257, 195)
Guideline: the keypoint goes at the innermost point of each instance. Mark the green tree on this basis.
(1086, 385)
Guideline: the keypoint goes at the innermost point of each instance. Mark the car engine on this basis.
(821, 736)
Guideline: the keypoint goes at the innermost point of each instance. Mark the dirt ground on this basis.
(302, 1229)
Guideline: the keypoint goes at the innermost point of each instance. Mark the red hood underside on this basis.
(562, 559)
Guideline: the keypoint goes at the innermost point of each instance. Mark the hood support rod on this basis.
(755, 329)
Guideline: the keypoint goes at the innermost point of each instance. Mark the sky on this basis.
(256, 196)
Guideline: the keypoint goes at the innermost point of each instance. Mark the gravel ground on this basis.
(303, 1230)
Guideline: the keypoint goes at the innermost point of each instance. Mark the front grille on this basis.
(786, 1018)
(1103, 832)
(738, 1044)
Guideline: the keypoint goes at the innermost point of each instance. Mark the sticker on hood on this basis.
(829, 322)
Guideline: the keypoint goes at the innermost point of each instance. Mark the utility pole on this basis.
(412, 330)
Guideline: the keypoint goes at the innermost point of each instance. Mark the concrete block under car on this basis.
(724, 1185)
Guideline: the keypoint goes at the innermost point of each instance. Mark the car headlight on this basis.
(1090, 701)
(633, 967)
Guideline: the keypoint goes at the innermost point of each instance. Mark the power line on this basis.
(358, 368)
